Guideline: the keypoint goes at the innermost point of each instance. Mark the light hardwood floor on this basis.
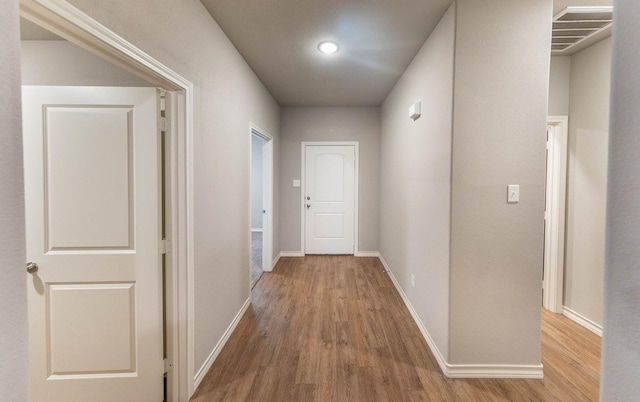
(333, 328)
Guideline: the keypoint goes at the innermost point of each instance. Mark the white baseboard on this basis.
(275, 261)
(291, 254)
(463, 370)
(256, 230)
(432, 345)
(367, 254)
(494, 371)
(582, 320)
(216, 350)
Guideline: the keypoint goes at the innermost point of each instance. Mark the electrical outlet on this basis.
(413, 281)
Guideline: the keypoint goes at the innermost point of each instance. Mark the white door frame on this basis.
(70, 23)
(553, 281)
(303, 223)
(267, 195)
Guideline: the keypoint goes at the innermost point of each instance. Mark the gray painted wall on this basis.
(587, 180)
(228, 95)
(13, 291)
(329, 124)
(55, 62)
(559, 76)
(257, 178)
(621, 343)
(415, 181)
(500, 113)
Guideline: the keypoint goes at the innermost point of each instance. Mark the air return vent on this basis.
(575, 24)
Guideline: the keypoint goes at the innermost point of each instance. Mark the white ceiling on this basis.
(279, 38)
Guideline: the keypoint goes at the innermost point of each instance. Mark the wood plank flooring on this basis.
(333, 328)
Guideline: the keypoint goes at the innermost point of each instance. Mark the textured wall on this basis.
(559, 75)
(500, 110)
(228, 95)
(329, 124)
(57, 62)
(587, 180)
(13, 293)
(415, 183)
(621, 342)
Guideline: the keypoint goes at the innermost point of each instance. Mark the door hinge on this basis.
(168, 366)
(164, 124)
(165, 246)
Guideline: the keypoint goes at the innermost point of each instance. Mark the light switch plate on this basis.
(513, 193)
(296, 183)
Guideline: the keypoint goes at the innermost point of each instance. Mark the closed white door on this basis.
(329, 199)
(92, 215)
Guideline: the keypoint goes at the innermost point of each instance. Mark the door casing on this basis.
(70, 23)
(554, 232)
(303, 225)
(267, 199)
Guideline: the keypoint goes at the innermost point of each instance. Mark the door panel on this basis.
(93, 226)
(89, 177)
(329, 200)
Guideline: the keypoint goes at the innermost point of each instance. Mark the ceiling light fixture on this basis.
(328, 47)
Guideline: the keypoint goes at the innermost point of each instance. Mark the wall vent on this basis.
(575, 24)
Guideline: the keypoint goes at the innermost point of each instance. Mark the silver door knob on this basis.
(32, 267)
(308, 205)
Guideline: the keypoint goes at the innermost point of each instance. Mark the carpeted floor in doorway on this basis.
(256, 257)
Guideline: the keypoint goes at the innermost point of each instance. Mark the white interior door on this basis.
(329, 199)
(92, 213)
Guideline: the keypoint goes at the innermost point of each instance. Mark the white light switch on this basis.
(513, 193)
(296, 183)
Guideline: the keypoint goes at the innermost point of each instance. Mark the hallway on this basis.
(333, 328)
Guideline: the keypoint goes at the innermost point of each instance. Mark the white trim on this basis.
(291, 254)
(223, 341)
(367, 254)
(494, 371)
(67, 21)
(275, 261)
(356, 145)
(425, 334)
(267, 193)
(256, 230)
(582, 320)
(463, 370)
(557, 129)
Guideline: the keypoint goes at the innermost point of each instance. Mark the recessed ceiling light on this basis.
(328, 47)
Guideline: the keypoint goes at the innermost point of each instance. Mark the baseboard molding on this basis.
(494, 371)
(275, 261)
(216, 350)
(291, 254)
(463, 370)
(256, 230)
(432, 345)
(582, 320)
(367, 254)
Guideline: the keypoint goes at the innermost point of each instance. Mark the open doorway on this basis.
(261, 145)
(576, 209)
(100, 106)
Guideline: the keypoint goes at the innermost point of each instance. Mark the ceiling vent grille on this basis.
(575, 24)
